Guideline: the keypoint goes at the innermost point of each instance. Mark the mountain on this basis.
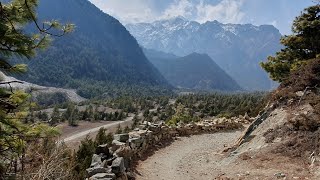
(194, 71)
(236, 48)
(100, 57)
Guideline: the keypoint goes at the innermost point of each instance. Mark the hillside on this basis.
(100, 57)
(69, 94)
(236, 48)
(195, 71)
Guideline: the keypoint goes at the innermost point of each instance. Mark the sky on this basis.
(279, 13)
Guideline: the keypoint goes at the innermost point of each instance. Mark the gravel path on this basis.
(196, 157)
(83, 134)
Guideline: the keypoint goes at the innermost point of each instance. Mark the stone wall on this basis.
(116, 162)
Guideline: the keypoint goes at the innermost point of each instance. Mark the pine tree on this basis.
(300, 47)
(55, 116)
(101, 137)
(14, 133)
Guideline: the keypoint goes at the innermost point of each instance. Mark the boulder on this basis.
(138, 134)
(96, 161)
(108, 162)
(135, 142)
(154, 128)
(97, 170)
(103, 176)
(124, 151)
(116, 145)
(143, 127)
(121, 137)
(118, 166)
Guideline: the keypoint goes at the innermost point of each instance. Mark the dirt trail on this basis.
(196, 157)
(75, 139)
(200, 157)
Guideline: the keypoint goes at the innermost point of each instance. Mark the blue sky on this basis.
(279, 13)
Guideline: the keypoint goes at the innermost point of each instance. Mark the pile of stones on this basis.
(115, 162)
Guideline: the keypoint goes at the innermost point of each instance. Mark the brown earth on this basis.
(266, 154)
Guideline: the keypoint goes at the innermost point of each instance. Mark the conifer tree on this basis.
(300, 47)
(15, 42)
(101, 137)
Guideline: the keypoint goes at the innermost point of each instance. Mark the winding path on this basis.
(196, 157)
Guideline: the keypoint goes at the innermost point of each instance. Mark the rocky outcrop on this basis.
(115, 161)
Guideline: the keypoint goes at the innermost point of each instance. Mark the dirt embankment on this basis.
(259, 156)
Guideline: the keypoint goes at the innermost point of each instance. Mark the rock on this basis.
(121, 137)
(109, 161)
(118, 165)
(300, 93)
(96, 161)
(103, 176)
(143, 127)
(135, 142)
(103, 149)
(104, 157)
(246, 117)
(154, 128)
(279, 175)
(138, 134)
(97, 170)
(116, 145)
(124, 151)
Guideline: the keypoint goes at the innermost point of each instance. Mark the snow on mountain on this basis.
(237, 48)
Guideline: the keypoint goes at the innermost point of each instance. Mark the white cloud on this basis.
(129, 11)
(132, 11)
(274, 23)
(227, 11)
(179, 8)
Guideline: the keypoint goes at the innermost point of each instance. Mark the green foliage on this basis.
(85, 62)
(182, 116)
(300, 47)
(109, 138)
(46, 99)
(15, 133)
(101, 137)
(55, 116)
(84, 157)
(71, 114)
(229, 105)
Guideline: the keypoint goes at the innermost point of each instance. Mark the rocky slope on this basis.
(36, 89)
(236, 48)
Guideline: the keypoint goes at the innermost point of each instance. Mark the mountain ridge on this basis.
(236, 48)
(195, 71)
(99, 56)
